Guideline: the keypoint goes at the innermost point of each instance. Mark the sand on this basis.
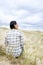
(33, 48)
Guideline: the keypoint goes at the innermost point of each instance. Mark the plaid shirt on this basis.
(14, 42)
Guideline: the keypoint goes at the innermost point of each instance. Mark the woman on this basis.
(14, 40)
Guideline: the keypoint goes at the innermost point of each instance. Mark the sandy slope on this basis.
(4, 61)
(33, 47)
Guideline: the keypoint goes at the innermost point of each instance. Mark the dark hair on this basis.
(12, 23)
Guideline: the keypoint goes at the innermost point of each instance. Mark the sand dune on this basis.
(33, 48)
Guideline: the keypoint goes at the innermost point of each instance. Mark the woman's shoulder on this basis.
(20, 32)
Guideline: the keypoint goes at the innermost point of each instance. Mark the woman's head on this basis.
(13, 25)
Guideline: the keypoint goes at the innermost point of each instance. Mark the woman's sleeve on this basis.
(6, 42)
(22, 39)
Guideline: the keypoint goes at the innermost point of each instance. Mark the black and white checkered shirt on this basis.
(14, 42)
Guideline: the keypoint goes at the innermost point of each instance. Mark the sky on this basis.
(27, 13)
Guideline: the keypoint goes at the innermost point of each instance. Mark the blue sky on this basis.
(28, 13)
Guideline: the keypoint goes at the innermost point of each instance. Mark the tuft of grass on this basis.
(2, 51)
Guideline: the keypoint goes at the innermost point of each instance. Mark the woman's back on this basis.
(14, 40)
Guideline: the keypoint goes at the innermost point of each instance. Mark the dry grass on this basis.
(33, 48)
